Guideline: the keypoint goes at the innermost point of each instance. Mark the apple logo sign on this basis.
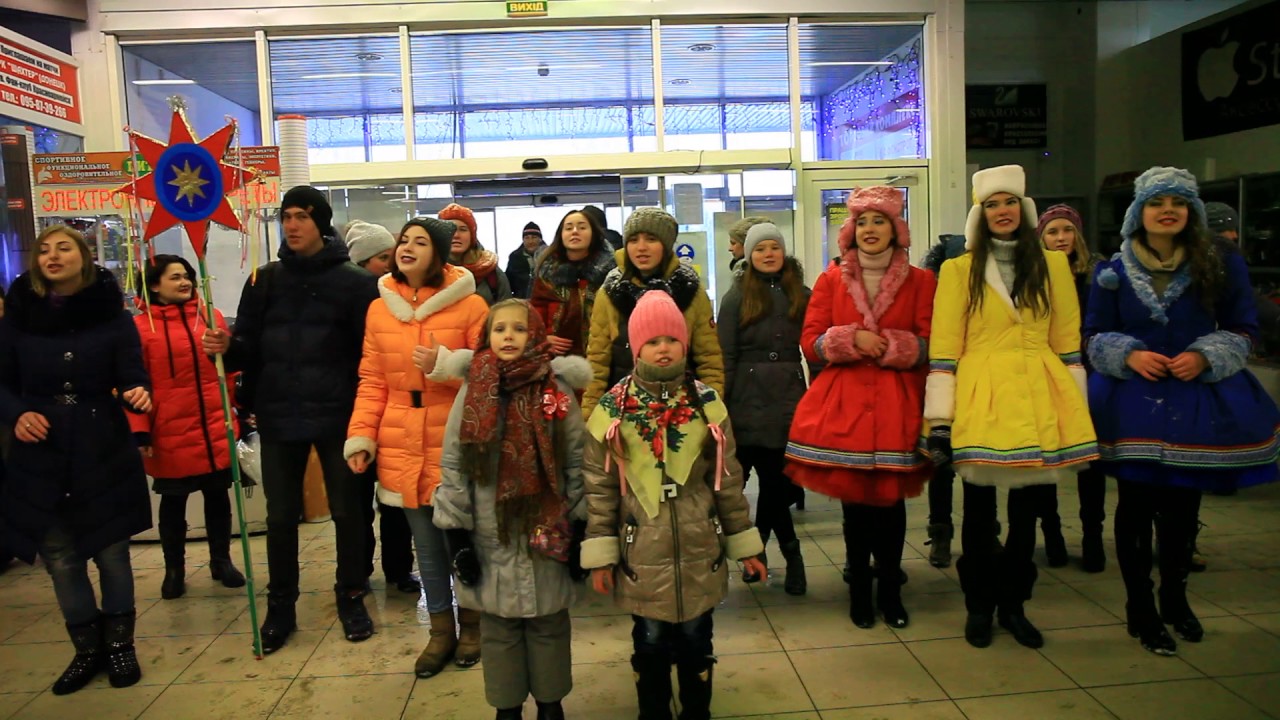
(1215, 73)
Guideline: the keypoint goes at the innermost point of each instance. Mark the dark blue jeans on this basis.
(686, 641)
(70, 574)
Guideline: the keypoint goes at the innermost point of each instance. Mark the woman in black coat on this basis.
(70, 365)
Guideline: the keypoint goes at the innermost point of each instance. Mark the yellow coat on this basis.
(1010, 384)
(609, 352)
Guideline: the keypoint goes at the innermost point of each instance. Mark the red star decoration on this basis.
(145, 187)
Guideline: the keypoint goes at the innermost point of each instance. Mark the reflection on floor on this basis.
(780, 656)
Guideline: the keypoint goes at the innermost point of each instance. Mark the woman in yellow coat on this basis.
(647, 262)
(426, 309)
(1005, 396)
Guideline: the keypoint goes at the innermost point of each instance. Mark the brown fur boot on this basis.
(440, 650)
(468, 638)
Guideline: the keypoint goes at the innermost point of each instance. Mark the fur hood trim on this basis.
(681, 283)
(459, 283)
(894, 278)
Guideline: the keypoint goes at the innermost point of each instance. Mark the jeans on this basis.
(434, 564)
(393, 529)
(689, 641)
(284, 467)
(773, 508)
(70, 574)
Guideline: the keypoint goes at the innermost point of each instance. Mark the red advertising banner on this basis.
(39, 84)
(76, 184)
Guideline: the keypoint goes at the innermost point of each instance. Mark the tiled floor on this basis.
(780, 656)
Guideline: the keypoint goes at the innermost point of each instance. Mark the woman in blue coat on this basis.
(1171, 323)
(70, 365)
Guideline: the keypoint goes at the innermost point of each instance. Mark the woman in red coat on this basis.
(855, 432)
(183, 438)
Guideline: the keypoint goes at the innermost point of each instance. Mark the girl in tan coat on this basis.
(426, 309)
(665, 510)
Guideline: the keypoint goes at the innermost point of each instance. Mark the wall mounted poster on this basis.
(1006, 117)
(1231, 74)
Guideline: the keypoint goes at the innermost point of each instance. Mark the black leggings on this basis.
(879, 532)
(1091, 484)
(941, 488)
(773, 508)
(217, 523)
(1174, 512)
(1006, 578)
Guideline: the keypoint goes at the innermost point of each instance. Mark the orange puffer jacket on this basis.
(400, 413)
(185, 428)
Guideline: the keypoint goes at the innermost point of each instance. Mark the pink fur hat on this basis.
(882, 199)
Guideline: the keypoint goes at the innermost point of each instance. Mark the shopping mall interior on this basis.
(714, 111)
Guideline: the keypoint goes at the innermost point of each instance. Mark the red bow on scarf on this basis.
(555, 404)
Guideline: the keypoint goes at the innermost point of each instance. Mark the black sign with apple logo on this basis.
(1231, 74)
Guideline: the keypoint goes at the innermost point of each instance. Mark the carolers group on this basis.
(522, 466)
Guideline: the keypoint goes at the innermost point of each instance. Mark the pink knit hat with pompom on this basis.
(882, 199)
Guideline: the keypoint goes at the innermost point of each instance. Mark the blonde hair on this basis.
(39, 285)
(1080, 255)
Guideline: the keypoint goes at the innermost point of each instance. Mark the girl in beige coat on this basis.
(665, 510)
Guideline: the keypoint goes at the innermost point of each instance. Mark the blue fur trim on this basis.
(1226, 352)
(1108, 351)
(1162, 181)
(1109, 279)
(1140, 279)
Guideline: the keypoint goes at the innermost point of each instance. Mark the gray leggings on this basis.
(433, 558)
(526, 656)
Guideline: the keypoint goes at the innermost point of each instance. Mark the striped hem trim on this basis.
(946, 366)
(1028, 457)
(1191, 456)
(825, 457)
(1071, 358)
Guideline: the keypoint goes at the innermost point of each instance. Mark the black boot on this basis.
(89, 660)
(1055, 546)
(796, 582)
(550, 711)
(977, 580)
(1015, 621)
(282, 620)
(356, 623)
(889, 599)
(122, 662)
(1175, 562)
(218, 526)
(939, 543)
(515, 713)
(1017, 578)
(1144, 623)
(1094, 558)
(861, 611)
(173, 542)
(695, 688)
(653, 685)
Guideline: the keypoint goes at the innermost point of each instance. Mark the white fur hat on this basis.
(1010, 179)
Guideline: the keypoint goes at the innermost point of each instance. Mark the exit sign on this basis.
(527, 8)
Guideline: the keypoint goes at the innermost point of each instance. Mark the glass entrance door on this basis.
(823, 197)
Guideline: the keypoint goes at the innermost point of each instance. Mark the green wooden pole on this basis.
(212, 321)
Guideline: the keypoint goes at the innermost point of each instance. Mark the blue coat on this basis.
(1217, 431)
(88, 474)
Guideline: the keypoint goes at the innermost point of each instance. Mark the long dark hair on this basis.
(1030, 270)
(557, 245)
(435, 273)
(155, 271)
(1204, 264)
(757, 301)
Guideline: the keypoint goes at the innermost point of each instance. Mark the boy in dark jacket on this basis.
(298, 337)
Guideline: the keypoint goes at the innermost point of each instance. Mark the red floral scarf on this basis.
(527, 473)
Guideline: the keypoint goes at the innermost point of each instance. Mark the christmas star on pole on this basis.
(189, 183)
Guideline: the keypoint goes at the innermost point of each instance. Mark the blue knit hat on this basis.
(1162, 181)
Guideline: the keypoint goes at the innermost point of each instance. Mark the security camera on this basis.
(543, 71)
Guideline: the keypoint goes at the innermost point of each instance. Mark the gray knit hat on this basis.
(763, 231)
(1221, 217)
(365, 240)
(655, 221)
(740, 229)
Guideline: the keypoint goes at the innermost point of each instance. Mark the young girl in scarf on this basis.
(511, 482)
(665, 510)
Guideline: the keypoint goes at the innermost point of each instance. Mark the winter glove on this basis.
(576, 572)
(939, 445)
(466, 564)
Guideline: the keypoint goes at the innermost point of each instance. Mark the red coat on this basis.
(188, 434)
(857, 428)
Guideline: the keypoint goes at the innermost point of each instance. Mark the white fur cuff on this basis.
(359, 443)
(574, 370)
(389, 498)
(1082, 380)
(743, 545)
(600, 552)
(940, 398)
